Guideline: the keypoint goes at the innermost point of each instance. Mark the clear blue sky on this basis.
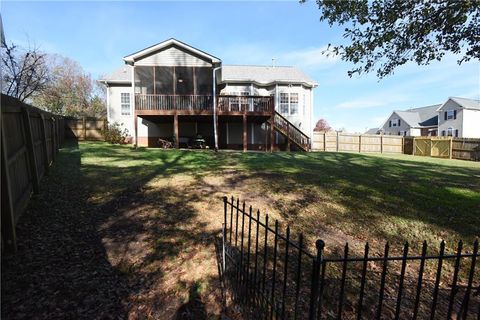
(99, 34)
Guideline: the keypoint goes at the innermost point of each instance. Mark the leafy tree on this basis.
(72, 92)
(24, 72)
(322, 125)
(385, 34)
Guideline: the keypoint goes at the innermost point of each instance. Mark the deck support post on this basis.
(135, 126)
(245, 136)
(288, 137)
(272, 134)
(175, 130)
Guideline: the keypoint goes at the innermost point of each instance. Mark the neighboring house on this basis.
(372, 131)
(412, 122)
(459, 117)
(174, 91)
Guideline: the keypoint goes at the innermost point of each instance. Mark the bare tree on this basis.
(24, 72)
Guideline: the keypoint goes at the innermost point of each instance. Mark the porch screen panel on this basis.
(204, 80)
(184, 80)
(144, 80)
(164, 80)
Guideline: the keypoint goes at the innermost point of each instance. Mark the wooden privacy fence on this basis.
(351, 142)
(30, 141)
(444, 147)
(271, 274)
(85, 128)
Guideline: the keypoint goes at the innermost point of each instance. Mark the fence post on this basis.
(317, 262)
(403, 145)
(54, 137)
(451, 148)
(337, 139)
(45, 148)
(7, 213)
(31, 149)
(84, 128)
(381, 143)
(359, 143)
(413, 146)
(324, 141)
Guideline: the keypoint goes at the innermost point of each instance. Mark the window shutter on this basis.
(443, 133)
(399, 122)
(445, 115)
(390, 123)
(454, 114)
(456, 133)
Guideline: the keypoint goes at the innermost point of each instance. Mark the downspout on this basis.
(215, 107)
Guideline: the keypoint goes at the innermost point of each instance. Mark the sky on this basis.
(99, 34)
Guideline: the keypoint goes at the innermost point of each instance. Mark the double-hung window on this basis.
(450, 114)
(450, 132)
(284, 103)
(293, 104)
(125, 103)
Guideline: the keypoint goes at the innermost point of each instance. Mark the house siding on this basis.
(471, 123)
(172, 56)
(115, 110)
(456, 124)
(396, 130)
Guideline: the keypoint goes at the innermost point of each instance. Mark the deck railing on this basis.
(167, 102)
(157, 102)
(228, 103)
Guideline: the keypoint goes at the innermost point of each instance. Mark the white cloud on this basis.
(310, 58)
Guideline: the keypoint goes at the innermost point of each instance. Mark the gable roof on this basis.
(463, 102)
(418, 117)
(157, 47)
(121, 75)
(265, 75)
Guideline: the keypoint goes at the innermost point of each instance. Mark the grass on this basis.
(149, 216)
(363, 197)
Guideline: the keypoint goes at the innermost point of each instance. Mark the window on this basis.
(443, 133)
(293, 103)
(283, 103)
(125, 103)
(394, 122)
(450, 132)
(450, 114)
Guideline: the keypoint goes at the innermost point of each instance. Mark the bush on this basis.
(115, 135)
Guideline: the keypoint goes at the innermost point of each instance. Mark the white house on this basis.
(173, 91)
(457, 117)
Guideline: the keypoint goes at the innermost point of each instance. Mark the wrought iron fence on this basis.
(272, 275)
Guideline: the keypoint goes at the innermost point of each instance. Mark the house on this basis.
(372, 131)
(412, 122)
(459, 117)
(173, 91)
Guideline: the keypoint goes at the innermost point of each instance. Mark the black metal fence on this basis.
(272, 275)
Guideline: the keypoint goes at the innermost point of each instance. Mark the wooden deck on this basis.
(154, 104)
(260, 107)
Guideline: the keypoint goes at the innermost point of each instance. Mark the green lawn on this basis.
(344, 195)
(132, 230)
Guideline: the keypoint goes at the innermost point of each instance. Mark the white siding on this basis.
(456, 124)
(471, 123)
(172, 56)
(397, 129)
(115, 110)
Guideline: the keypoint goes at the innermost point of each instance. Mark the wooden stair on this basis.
(290, 132)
